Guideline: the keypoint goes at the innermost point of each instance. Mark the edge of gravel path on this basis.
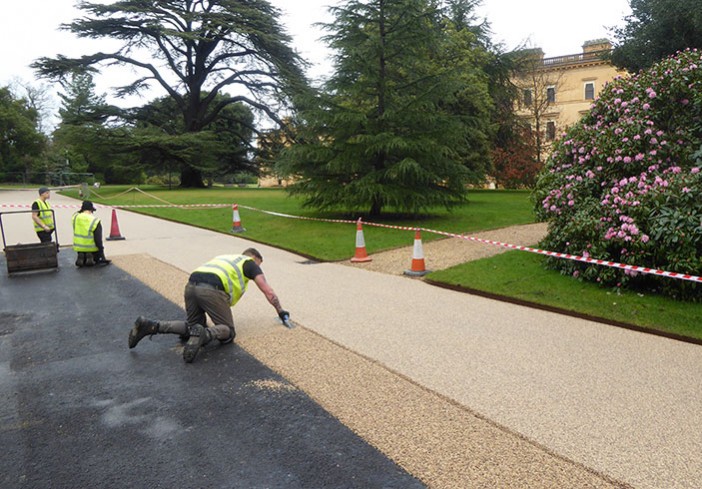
(435, 439)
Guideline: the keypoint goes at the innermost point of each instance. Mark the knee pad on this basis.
(230, 339)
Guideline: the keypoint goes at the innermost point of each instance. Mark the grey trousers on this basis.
(199, 302)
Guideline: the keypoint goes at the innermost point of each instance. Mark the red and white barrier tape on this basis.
(554, 254)
(119, 206)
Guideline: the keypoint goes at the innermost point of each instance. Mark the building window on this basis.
(527, 97)
(590, 91)
(551, 95)
(550, 130)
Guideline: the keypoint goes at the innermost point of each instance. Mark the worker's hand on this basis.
(284, 315)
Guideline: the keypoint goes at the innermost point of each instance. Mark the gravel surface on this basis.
(445, 253)
(438, 441)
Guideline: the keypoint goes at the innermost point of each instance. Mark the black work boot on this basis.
(100, 259)
(80, 259)
(142, 327)
(89, 261)
(199, 337)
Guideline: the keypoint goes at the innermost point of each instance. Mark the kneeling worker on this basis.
(212, 290)
(87, 237)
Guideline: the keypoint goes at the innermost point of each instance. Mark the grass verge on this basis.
(520, 277)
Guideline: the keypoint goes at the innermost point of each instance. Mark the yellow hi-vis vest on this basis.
(45, 214)
(83, 229)
(230, 270)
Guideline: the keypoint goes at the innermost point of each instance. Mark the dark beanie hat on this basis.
(43, 189)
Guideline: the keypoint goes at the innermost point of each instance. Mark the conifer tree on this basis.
(383, 132)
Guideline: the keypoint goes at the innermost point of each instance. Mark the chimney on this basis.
(596, 45)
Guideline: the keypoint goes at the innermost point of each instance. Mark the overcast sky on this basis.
(29, 29)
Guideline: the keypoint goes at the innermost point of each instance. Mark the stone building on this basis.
(556, 92)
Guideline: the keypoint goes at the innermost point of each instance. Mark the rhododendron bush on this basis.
(624, 184)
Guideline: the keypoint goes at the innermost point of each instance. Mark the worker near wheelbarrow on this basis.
(42, 216)
(87, 237)
(212, 290)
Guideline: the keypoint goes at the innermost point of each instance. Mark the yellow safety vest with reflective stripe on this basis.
(230, 270)
(45, 214)
(83, 232)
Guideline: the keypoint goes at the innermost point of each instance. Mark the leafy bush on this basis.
(164, 180)
(515, 165)
(624, 184)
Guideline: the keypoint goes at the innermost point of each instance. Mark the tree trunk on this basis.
(191, 178)
(376, 207)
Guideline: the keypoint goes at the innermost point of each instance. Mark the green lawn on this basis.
(317, 239)
(520, 276)
(515, 275)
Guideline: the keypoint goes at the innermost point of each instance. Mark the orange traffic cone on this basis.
(114, 230)
(361, 255)
(236, 220)
(418, 269)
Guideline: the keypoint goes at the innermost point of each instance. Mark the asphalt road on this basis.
(80, 410)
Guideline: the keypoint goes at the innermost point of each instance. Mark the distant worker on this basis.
(212, 289)
(87, 237)
(43, 216)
